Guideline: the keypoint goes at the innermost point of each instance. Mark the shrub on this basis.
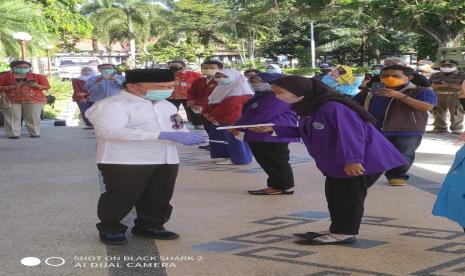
(62, 90)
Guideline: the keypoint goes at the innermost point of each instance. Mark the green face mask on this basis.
(158, 95)
(21, 70)
(108, 71)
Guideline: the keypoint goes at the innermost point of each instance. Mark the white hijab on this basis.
(274, 68)
(85, 78)
(239, 87)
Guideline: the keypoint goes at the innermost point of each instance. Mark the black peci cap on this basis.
(15, 63)
(149, 75)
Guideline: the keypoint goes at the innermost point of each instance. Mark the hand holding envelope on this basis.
(261, 129)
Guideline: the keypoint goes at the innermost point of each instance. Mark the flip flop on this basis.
(263, 192)
(317, 241)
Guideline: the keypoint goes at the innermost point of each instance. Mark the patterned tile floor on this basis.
(224, 231)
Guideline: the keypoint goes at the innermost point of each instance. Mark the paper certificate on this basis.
(244, 126)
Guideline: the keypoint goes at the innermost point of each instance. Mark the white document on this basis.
(217, 141)
(244, 126)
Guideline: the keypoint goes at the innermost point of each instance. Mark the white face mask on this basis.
(448, 69)
(261, 87)
(224, 81)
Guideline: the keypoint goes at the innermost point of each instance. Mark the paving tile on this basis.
(311, 214)
(219, 246)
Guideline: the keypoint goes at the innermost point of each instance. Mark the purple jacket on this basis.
(335, 135)
(264, 109)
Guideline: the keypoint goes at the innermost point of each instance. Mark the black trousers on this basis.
(194, 118)
(274, 159)
(149, 188)
(346, 198)
(407, 145)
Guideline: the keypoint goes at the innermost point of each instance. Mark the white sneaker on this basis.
(225, 162)
(219, 159)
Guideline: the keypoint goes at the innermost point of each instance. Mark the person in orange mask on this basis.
(401, 110)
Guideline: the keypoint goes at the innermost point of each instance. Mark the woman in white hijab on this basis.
(225, 108)
(273, 69)
(81, 95)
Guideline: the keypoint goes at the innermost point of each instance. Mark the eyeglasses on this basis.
(177, 121)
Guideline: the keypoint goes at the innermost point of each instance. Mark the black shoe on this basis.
(88, 127)
(113, 238)
(308, 235)
(157, 233)
(35, 136)
(13, 137)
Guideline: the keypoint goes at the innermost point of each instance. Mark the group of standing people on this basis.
(353, 137)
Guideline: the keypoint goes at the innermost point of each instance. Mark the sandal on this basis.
(327, 240)
(264, 192)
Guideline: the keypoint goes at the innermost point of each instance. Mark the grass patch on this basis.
(63, 91)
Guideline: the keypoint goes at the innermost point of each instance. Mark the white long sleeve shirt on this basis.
(127, 128)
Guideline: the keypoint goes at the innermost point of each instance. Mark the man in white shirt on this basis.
(136, 133)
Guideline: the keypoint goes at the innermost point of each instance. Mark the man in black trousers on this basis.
(136, 133)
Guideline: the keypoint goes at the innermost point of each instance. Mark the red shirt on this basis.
(182, 82)
(228, 111)
(200, 90)
(80, 93)
(24, 94)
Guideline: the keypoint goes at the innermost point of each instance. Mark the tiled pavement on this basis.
(49, 189)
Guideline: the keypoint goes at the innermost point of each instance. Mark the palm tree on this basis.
(19, 16)
(98, 33)
(118, 19)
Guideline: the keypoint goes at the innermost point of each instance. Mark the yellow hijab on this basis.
(347, 78)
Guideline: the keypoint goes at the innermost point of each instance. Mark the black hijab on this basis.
(315, 95)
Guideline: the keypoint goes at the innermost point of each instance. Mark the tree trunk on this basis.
(362, 51)
(132, 43)
(95, 45)
(252, 49)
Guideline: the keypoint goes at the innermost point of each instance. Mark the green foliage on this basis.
(301, 71)
(442, 20)
(63, 20)
(303, 55)
(161, 53)
(20, 16)
(63, 91)
(347, 31)
(307, 71)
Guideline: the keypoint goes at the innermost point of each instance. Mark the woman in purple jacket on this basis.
(347, 148)
(271, 152)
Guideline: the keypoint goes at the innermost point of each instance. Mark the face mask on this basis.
(209, 72)
(273, 71)
(448, 69)
(392, 82)
(375, 72)
(108, 72)
(158, 95)
(224, 81)
(261, 87)
(21, 70)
